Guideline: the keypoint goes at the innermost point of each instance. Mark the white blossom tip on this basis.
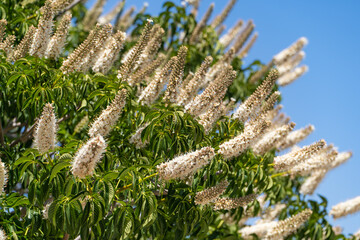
(185, 165)
(88, 156)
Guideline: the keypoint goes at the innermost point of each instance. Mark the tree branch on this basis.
(25, 136)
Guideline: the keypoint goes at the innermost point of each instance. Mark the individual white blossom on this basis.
(108, 118)
(45, 133)
(88, 156)
(185, 165)
(345, 208)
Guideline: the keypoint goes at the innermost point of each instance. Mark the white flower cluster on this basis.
(57, 41)
(154, 88)
(2, 235)
(288, 226)
(213, 93)
(289, 52)
(289, 160)
(295, 137)
(290, 77)
(185, 165)
(259, 229)
(291, 64)
(227, 38)
(3, 176)
(110, 52)
(211, 194)
(96, 47)
(341, 158)
(219, 19)
(108, 118)
(345, 208)
(136, 138)
(88, 156)
(43, 32)
(321, 160)
(234, 147)
(287, 61)
(244, 52)
(250, 106)
(244, 35)
(270, 139)
(45, 133)
(209, 118)
(311, 183)
(271, 213)
(318, 174)
(188, 92)
(231, 203)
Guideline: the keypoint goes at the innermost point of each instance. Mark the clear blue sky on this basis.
(327, 96)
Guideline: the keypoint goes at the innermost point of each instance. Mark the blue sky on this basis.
(327, 96)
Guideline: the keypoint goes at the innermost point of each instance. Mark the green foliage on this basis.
(125, 199)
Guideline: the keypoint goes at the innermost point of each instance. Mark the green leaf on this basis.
(57, 168)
